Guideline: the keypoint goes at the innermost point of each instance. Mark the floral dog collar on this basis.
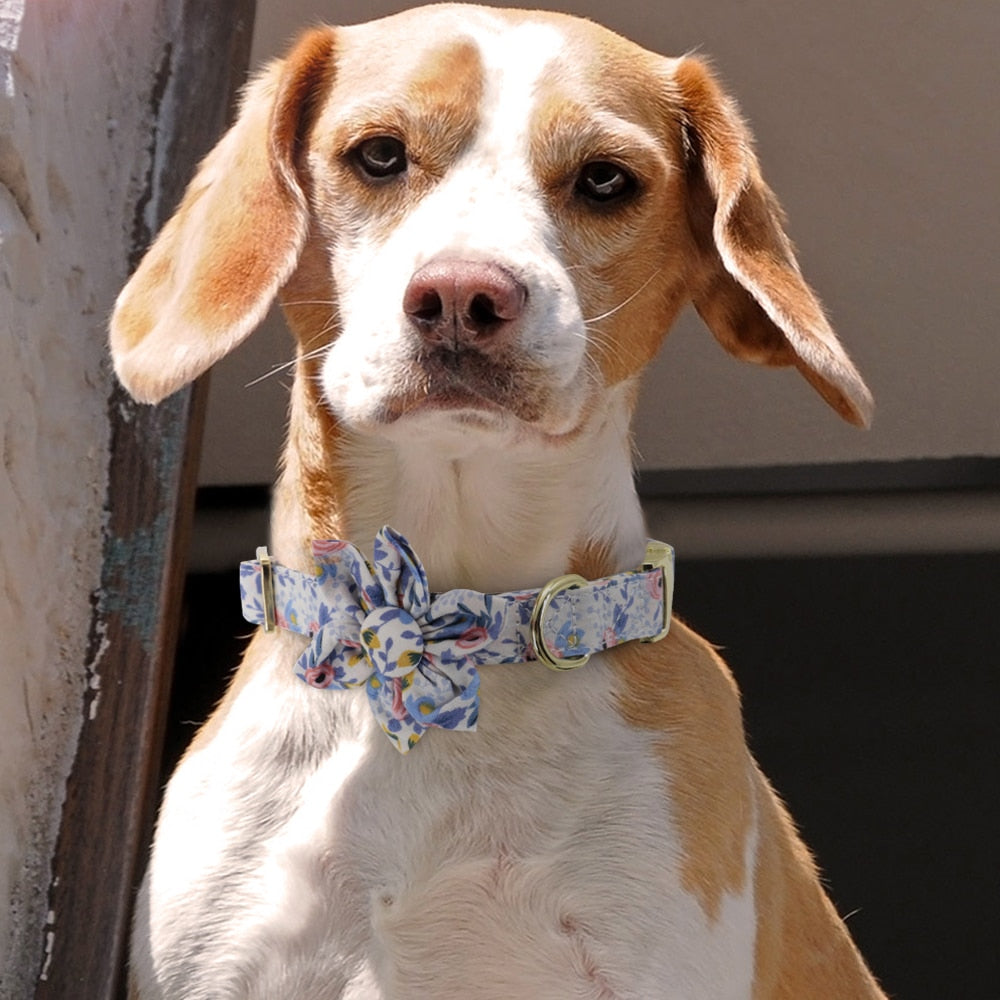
(416, 653)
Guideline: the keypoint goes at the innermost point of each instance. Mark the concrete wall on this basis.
(75, 85)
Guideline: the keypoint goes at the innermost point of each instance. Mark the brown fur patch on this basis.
(136, 317)
(680, 689)
(428, 99)
(629, 260)
(591, 561)
(748, 288)
(803, 948)
(300, 98)
(313, 481)
(247, 232)
(210, 275)
(447, 88)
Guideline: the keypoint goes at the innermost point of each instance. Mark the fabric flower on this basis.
(409, 650)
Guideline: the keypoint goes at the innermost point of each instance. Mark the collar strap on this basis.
(379, 626)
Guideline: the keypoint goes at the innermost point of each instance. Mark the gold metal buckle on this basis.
(267, 588)
(660, 556)
(545, 597)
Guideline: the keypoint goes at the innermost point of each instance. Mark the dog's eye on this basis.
(603, 181)
(381, 156)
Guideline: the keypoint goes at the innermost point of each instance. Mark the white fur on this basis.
(498, 484)
(403, 882)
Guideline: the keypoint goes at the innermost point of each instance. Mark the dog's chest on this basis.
(536, 857)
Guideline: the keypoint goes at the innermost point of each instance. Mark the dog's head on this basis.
(484, 217)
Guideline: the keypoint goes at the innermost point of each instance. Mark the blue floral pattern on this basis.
(416, 653)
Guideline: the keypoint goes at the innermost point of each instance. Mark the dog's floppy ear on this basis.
(750, 291)
(213, 271)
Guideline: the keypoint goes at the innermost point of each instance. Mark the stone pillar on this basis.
(103, 110)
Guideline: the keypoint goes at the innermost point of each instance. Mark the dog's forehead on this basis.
(472, 56)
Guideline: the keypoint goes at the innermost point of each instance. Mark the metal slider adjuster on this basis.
(267, 588)
(660, 556)
(545, 597)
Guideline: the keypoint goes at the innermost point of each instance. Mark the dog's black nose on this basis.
(464, 302)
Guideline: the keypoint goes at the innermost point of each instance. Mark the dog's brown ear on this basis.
(749, 290)
(213, 271)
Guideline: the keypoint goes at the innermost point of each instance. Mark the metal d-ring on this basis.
(267, 588)
(660, 556)
(546, 595)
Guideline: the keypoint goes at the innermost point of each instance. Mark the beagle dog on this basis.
(480, 224)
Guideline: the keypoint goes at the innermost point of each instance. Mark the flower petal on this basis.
(434, 699)
(344, 660)
(401, 574)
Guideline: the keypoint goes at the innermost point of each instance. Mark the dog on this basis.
(480, 224)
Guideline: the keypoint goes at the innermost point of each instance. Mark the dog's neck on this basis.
(485, 511)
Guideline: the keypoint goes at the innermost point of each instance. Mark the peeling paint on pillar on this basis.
(130, 563)
(134, 563)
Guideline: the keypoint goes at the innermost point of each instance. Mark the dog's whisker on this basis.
(316, 352)
(599, 339)
(286, 366)
(309, 302)
(622, 305)
(597, 343)
(276, 370)
(321, 333)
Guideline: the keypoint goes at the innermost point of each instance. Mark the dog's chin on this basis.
(475, 401)
(456, 408)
